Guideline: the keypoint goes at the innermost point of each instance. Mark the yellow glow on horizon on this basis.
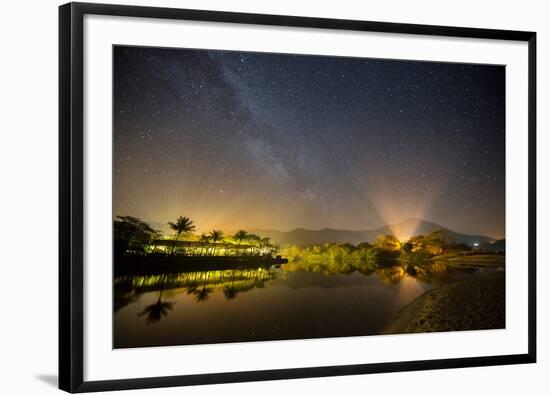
(384, 205)
(402, 213)
(404, 233)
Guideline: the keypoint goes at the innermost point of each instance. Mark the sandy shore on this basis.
(464, 305)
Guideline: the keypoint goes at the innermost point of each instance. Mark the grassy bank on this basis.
(464, 305)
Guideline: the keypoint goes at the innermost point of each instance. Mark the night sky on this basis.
(268, 141)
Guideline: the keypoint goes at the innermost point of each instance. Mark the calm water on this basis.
(268, 303)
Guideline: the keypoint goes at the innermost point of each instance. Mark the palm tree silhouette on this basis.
(156, 311)
(240, 236)
(204, 239)
(183, 225)
(202, 294)
(215, 236)
(230, 292)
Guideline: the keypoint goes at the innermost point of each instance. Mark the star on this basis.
(367, 135)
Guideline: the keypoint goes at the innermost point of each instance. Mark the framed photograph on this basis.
(253, 197)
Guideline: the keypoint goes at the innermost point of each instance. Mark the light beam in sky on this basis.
(269, 141)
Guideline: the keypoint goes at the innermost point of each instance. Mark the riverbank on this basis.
(478, 258)
(459, 306)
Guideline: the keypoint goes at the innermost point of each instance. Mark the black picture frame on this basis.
(71, 224)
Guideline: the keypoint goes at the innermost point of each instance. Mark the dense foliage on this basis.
(365, 257)
(132, 234)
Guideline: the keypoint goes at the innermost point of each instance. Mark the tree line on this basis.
(132, 236)
(366, 257)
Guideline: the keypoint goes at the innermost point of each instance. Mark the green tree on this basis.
(387, 242)
(437, 242)
(364, 246)
(183, 225)
(131, 233)
(418, 242)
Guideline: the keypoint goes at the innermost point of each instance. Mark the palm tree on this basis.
(204, 239)
(183, 225)
(240, 236)
(215, 236)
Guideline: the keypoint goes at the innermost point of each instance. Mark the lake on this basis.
(292, 301)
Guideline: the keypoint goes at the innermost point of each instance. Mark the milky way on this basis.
(251, 140)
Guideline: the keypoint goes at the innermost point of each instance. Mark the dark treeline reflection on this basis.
(333, 259)
(201, 284)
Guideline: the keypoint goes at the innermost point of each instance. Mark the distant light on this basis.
(476, 244)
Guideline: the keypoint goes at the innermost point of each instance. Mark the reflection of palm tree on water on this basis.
(230, 291)
(204, 293)
(192, 285)
(156, 311)
(199, 285)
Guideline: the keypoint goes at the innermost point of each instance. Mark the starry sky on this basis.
(276, 141)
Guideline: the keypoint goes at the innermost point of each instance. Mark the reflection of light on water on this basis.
(407, 289)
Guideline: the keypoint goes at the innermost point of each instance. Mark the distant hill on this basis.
(411, 227)
(308, 237)
(496, 246)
